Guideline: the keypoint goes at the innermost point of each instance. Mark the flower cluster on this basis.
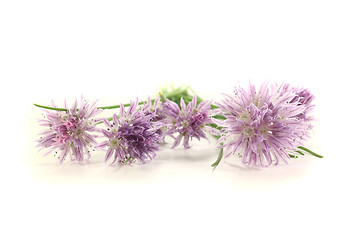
(261, 127)
(188, 121)
(132, 135)
(71, 132)
(265, 126)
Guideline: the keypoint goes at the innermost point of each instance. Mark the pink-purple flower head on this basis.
(189, 121)
(153, 107)
(302, 97)
(132, 135)
(70, 133)
(265, 126)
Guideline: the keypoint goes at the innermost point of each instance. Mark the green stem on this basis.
(220, 155)
(175, 95)
(125, 105)
(114, 106)
(310, 152)
(301, 153)
(51, 108)
(105, 107)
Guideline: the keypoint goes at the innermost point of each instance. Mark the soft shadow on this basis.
(233, 172)
(192, 154)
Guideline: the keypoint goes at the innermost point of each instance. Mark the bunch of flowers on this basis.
(262, 127)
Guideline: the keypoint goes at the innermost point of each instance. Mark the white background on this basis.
(116, 50)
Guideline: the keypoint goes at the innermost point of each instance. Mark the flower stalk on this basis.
(310, 152)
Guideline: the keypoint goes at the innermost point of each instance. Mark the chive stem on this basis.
(310, 152)
(50, 108)
(220, 155)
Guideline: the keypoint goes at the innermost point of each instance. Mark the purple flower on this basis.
(153, 108)
(189, 121)
(132, 135)
(266, 125)
(71, 132)
(302, 97)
